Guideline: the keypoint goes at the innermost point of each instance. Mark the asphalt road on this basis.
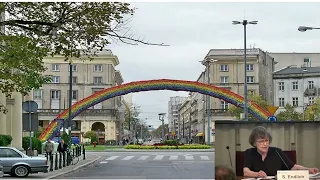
(148, 165)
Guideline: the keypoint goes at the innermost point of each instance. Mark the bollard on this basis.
(51, 162)
(84, 152)
(64, 158)
(60, 160)
(68, 154)
(56, 162)
(80, 150)
(73, 151)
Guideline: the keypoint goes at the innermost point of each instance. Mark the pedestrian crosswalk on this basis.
(158, 158)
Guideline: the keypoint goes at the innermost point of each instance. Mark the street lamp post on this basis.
(245, 23)
(161, 118)
(305, 28)
(207, 63)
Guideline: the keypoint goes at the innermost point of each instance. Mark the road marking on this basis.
(204, 158)
(189, 157)
(112, 158)
(103, 162)
(127, 158)
(173, 157)
(143, 158)
(158, 157)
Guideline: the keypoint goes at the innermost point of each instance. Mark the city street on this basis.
(148, 165)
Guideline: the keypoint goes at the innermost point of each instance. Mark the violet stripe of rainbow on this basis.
(162, 84)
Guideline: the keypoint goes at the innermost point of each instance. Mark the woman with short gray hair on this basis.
(262, 160)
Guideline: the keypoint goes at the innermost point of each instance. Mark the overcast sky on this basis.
(192, 29)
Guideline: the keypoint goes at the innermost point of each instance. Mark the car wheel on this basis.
(20, 171)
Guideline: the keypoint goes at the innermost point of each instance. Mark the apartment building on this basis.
(184, 126)
(283, 60)
(296, 86)
(173, 112)
(227, 71)
(88, 78)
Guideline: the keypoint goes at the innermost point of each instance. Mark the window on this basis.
(74, 94)
(74, 68)
(249, 67)
(224, 67)
(224, 105)
(97, 80)
(37, 94)
(281, 102)
(281, 86)
(74, 79)
(307, 62)
(250, 79)
(310, 84)
(55, 94)
(97, 68)
(295, 101)
(9, 153)
(311, 100)
(224, 79)
(55, 67)
(295, 86)
(55, 79)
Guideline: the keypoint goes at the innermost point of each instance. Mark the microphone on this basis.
(282, 159)
(228, 148)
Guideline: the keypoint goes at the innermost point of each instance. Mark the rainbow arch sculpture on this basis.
(152, 85)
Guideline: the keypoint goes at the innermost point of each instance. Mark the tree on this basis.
(312, 111)
(132, 116)
(289, 114)
(90, 134)
(236, 111)
(72, 29)
(158, 132)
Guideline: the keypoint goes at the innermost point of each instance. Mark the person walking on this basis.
(48, 148)
(62, 148)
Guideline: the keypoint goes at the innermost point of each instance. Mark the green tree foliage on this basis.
(90, 134)
(36, 143)
(312, 111)
(236, 111)
(289, 113)
(5, 140)
(71, 29)
(158, 132)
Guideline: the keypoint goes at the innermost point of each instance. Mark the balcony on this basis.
(87, 112)
(310, 92)
(218, 112)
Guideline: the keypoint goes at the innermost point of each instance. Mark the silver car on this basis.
(16, 163)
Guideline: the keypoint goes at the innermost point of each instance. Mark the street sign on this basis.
(272, 109)
(26, 122)
(213, 132)
(30, 106)
(272, 118)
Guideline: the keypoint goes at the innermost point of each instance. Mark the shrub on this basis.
(192, 146)
(111, 142)
(36, 143)
(171, 142)
(7, 139)
(2, 141)
(94, 139)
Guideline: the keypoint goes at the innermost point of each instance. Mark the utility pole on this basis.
(161, 118)
(204, 121)
(178, 125)
(183, 126)
(208, 104)
(190, 119)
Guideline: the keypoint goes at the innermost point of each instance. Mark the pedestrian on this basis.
(62, 147)
(48, 148)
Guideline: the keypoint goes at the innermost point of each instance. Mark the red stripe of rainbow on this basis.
(152, 85)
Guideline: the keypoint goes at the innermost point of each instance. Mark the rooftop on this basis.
(295, 70)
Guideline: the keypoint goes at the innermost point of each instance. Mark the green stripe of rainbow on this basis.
(152, 85)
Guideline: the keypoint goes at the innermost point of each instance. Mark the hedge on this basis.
(5, 140)
(36, 143)
(192, 146)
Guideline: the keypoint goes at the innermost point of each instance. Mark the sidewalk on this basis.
(90, 159)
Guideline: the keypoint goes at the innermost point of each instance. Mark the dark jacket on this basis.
(62, 148)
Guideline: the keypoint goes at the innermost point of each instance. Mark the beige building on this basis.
(184, 119)
(88, 78)
(228, 72)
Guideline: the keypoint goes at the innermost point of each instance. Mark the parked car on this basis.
(16, 163)
(1, 172)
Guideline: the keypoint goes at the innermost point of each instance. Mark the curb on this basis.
(154, 150)
(74, 169)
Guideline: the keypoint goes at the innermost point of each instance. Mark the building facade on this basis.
(184, 126)
(173, 112)
(88, 78)
(298, 87)
(283, 60)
